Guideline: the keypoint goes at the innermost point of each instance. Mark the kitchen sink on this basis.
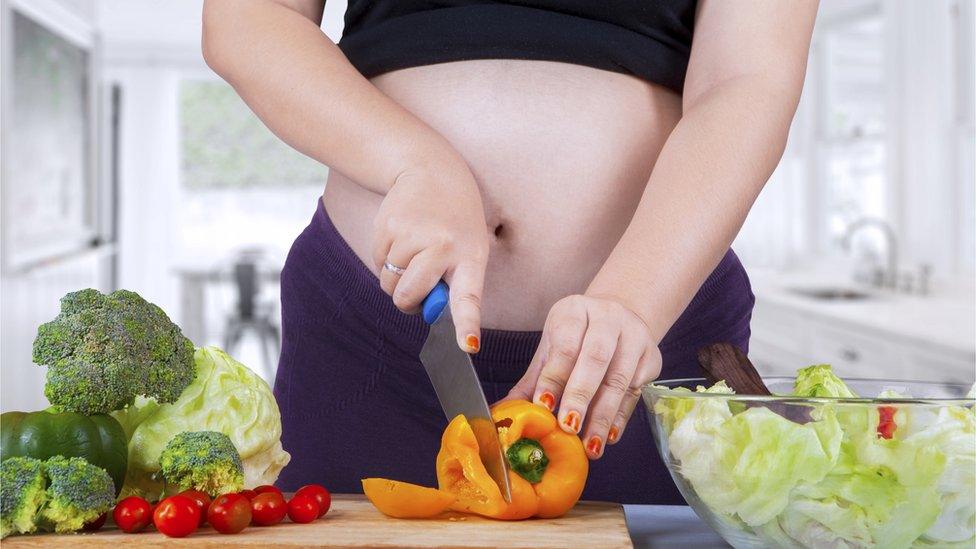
(832, 293)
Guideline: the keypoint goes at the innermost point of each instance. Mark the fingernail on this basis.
(473, 343)
(613, 434)
(546, 399)
(572, 420)
(593, 445)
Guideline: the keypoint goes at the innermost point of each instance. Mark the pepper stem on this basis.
(528, 459)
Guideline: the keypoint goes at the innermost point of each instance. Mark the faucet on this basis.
(889, 277)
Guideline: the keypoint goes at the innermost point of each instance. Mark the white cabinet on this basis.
(785, 338)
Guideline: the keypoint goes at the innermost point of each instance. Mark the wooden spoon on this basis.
(724, 361)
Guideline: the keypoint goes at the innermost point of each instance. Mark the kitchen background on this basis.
(127, 163)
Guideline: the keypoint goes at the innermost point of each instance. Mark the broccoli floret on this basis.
(22, 494)
(103, 350)
(202, 460)
(78, 493)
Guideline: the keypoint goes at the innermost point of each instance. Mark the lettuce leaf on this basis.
(819, 380)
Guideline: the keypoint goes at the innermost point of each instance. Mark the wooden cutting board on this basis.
(353, 522)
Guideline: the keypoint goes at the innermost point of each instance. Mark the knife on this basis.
(456, 383)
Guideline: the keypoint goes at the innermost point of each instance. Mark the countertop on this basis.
(946, 319)
(354, 522)
(667, 526)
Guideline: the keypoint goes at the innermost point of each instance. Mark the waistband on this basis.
(359, 289)
(362, 292)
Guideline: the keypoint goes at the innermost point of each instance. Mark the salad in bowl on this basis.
(823, 462)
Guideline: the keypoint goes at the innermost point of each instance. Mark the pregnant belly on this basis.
(561, 153)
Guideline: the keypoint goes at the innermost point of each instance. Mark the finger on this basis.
(467, 281)
(609, 396)
(423, 272)
(525, 388)
(596, 353)
(381, 249)
(648, 369)
(564, 331)
(399, 254)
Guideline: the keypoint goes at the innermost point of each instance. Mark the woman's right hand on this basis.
(432, 223)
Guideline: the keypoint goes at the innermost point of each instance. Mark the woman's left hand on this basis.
(594, 356)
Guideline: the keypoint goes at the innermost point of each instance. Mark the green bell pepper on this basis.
(98, 438)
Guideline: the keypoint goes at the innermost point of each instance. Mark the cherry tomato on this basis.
(96, 524)
(249, 494)
(177, 516)
(321, 495)
(268, 509)
(202, 500)
(265, 488)
(230, 513)
(303, 508)
(132, 514)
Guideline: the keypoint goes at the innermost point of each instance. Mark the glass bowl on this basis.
(784, 471)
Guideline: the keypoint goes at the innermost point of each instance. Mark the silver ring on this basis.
(393, 268)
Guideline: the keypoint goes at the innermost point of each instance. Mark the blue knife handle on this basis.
(434, 303)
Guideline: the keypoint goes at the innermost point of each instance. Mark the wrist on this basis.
(639, 305)
(434, 160)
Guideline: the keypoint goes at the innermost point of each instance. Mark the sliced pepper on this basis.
(404, 500)
(548, 467)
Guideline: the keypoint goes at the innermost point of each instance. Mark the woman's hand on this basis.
(594, 356)
(432, 224)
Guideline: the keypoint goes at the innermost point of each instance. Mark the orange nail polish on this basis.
(613, 434)
(473, 343)
(547, 400)
(572, 420)
(593, 445)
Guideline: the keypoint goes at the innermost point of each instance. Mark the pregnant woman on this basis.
(575, 171)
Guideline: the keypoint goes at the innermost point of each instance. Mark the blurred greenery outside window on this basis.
(225, 146)
(241, 188)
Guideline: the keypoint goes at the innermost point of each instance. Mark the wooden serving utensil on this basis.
(724, 361)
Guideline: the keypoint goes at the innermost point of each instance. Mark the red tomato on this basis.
(321, 495)
(132, 514)
(230, 513)
(177, 516)
(265, 488)
(249, 494)
(96, 524)
(302, 509)
(886, 421)
(202, 499)
(268, 509)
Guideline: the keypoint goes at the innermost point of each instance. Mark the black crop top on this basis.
(650, 39)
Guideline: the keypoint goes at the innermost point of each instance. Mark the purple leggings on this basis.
(355, 401)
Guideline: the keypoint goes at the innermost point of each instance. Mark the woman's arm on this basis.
(305, 90)
(743, 83)
(431, 221)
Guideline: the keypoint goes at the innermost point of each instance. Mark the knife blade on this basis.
(457, 386)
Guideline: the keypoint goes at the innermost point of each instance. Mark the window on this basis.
(851, 129)
(241, 186)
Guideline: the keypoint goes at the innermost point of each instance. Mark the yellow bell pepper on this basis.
(404, 500)
(548, 467)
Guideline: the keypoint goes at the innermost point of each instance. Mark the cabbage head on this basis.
(226, 397)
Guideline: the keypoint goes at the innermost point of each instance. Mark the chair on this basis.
(251, 315)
